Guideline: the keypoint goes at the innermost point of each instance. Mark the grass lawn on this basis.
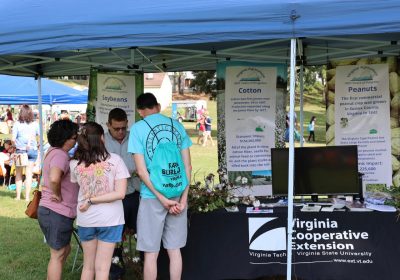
(314, 106)
(23, 255)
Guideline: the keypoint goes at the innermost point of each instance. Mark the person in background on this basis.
(102, 178)
(6, 160)
(311, 128)
(54, 117)
(159, 217)
(201, 124)
(57, 207)
(116, 141)
(78, 119)
(64, 115)
(297, 136)
(9, 118)
(200, 111)
(207, 132)
(24, 137)
(7, 146)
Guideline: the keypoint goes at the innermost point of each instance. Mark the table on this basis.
(337, 245)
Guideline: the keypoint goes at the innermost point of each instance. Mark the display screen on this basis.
(280, 171)
(317, 170)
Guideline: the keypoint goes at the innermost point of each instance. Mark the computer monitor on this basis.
(327, 170)
(280, 171)
(330, 170)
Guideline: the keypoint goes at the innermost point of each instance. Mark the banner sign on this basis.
(115, 91)
(250, 104)
(109, 90)
(362, 118)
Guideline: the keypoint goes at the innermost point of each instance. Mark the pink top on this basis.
(57, 157)
(95, 180)
(202, 122)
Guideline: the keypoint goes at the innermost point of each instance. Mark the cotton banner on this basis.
(250, 104)
(362, 117)
(113, 90)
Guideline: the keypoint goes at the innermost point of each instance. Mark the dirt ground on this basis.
(190, 96)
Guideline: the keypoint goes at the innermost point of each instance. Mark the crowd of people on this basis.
(113, 181)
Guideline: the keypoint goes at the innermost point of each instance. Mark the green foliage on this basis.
(313, 79)
(392, 194)
(313, 75)
(395, 194)
(202, 199)
(203, 81)
(210, 196)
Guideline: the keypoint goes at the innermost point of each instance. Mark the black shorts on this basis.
(57, 229)
(131, 206)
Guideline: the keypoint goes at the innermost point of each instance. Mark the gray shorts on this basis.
(154, 224)
(57, 229)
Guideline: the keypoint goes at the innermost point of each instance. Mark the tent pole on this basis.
(133, 56)
(291, 158)
(40, 119)
(301, 106)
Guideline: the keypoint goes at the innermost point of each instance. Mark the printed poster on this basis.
(250, 104)
(362, 117)
(112, 90)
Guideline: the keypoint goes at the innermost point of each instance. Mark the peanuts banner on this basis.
(362, 117)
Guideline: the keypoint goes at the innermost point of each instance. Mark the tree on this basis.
(204, 81)
(181, 82)
(313, 78)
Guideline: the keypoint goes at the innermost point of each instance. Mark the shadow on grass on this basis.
(4, 192)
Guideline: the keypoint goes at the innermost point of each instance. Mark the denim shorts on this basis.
(56, 228)
(111, 234)
(32, 154)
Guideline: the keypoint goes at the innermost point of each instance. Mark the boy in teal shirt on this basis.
(160, 217)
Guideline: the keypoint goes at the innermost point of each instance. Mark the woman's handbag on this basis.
(32, 208)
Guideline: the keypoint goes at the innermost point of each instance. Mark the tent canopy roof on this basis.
(48, 38)
(24, 90)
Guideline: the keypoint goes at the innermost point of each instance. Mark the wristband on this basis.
(90, 201)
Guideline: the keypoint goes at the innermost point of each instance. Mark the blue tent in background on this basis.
(24, 90)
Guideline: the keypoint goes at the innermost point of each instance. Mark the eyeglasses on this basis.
(123, 128)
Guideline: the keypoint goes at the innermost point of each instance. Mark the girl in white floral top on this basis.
(102, 178)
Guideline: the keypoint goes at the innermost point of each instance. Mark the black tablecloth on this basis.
(338, 245)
